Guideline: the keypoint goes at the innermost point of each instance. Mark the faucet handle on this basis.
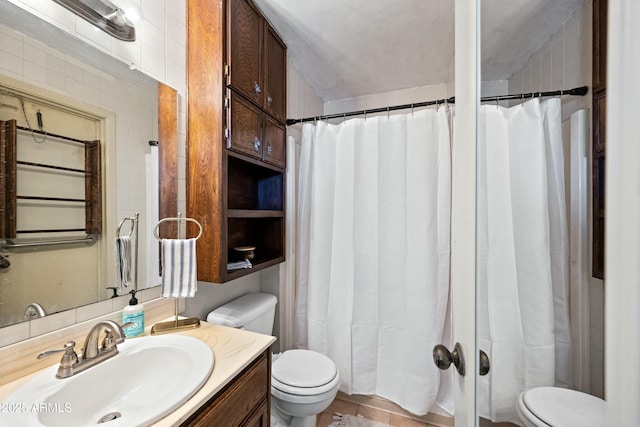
(68, 361)
(109, 342)
(68, 351)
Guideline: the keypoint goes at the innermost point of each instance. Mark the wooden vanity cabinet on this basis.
(243, 402)
(236, 158)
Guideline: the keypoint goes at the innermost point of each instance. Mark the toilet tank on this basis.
(254, 312)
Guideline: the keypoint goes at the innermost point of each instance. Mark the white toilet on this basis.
(303, 382)
(560, 407)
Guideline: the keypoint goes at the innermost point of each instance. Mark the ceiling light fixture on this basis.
(104, 15)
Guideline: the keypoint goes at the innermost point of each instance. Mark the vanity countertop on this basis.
(233, 349)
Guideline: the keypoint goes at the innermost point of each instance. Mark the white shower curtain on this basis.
(373, 251)
(522, 254)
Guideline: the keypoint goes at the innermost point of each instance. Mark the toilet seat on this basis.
(561, 407)
(304, 373)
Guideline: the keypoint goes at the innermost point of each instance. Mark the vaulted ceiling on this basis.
(347, 48)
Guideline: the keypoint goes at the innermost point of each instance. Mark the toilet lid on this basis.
(303, 369)
(561, 407)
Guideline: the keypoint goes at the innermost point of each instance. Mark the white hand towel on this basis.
(179, 268)
(123, 261)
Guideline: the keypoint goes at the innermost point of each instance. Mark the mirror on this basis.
(122, 104)
(544, 151)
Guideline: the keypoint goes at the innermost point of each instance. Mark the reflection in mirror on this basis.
(88, 95)
(531, 244)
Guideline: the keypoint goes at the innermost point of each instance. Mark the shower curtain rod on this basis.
(578, 91)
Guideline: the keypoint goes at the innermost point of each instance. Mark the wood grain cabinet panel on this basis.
(243, 402)
(246, 127)
(275, 60)
(236, 136)
(274, 142)
(244, 49)
(599, 101)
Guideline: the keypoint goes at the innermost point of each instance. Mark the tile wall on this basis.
(160, 34)
(133, 108)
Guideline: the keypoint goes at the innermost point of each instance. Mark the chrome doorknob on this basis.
(443, 358)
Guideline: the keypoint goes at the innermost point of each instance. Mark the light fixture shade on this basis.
(104, 15)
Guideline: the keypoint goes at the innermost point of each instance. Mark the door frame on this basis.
(463, 231)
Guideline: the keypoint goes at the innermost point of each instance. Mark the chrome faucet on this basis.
(92, 352)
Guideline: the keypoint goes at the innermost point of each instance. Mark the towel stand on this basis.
(134, 228)
(176, 324)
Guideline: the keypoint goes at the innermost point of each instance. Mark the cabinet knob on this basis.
(269, 100)
(257, 89)
(256, 144)
(269, 149)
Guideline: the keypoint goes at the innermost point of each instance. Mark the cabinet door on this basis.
(244, 49)
(246, 125)
(274, 142)
(275, 74)
(260, 418)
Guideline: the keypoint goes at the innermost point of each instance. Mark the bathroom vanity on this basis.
(237, 393)
(243, 402)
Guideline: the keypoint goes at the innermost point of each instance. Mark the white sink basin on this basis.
(148, 379)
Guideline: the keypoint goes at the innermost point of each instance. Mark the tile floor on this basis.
(393, 419)
(344, 407)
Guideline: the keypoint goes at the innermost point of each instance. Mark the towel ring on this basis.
(133, 220)
(155, 229)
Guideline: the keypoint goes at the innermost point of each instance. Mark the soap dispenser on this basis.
(133, 313)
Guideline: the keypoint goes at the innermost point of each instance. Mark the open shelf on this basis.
(254, 187)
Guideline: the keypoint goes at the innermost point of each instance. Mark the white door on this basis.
(622, 245)
(623, 210)
(463, 268)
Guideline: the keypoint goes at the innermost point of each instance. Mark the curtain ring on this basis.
(497, 100)
(387, 112)
(344, 117)
(412, 109)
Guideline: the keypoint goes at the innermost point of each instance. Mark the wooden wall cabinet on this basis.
(254, 133)
(256, 58)
(245, 402)
(236, 136)
(599, 100)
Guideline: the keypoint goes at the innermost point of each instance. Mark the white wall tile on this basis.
(56, 82)
(56, 61)
(13, 65)
(91, 77)
(52, 322)
(93, 35)
(91, 311)
(153, 12)
(14, 333)
(74, 88)
(34, 73)
(35, 52)
(11, 44)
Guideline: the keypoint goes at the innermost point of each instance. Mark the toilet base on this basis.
(280, 419)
